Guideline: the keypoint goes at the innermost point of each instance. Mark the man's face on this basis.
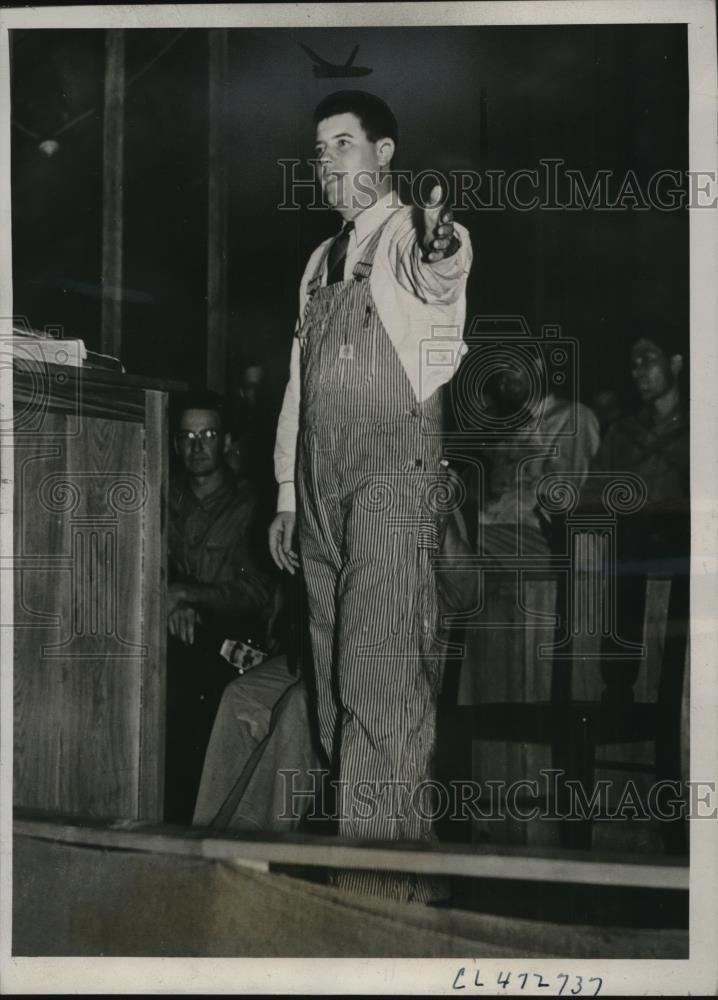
(514, 385)
(203, 454)
(349, 163)
(653, 373)
(251, 381)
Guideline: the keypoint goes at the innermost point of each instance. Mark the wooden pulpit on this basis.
(90, 467)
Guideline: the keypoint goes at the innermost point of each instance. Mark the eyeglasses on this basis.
(206, 434)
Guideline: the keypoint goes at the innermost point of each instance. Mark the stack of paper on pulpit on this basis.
(48, 350)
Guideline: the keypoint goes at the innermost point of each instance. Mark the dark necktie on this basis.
(337, 254)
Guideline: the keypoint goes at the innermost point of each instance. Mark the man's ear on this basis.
(385, 149)
(227, 441)
(676, 365)
(176, 446)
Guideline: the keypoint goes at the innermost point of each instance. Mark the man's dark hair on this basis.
(199, 399)
(670, 339)
(375, 116)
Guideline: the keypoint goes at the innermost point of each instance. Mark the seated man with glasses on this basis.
(221, 595)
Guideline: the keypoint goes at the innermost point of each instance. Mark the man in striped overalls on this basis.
(382, 308)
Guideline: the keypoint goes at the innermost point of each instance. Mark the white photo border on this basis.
(697, 974)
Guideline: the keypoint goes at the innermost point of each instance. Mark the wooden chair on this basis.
(572, 696)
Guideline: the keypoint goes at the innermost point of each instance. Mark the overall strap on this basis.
(316, 279)
(362, 268)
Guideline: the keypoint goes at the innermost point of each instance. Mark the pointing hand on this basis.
(440, 239)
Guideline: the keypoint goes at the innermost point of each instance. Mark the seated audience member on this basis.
(219, 589)
(251, 383)
(263, 727)
(653, 443)
(544, 435)
(252, 427)
(607, 407)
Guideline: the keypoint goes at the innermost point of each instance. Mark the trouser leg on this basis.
(321, 579)
(242, 722)
(388, 674)
(372, 605)
(287, 779)
(320, 547)
(387, 685)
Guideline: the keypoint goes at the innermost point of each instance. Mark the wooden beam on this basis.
(471, 862)
(153, 709)
(112, 193)
(217, 213)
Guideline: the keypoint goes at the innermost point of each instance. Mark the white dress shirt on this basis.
(421, 304)
(569, 435)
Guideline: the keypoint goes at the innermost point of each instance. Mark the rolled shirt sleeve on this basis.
(575, 451)
(441, 282)
(422, 304)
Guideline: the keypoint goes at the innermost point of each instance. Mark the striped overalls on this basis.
(369, 458)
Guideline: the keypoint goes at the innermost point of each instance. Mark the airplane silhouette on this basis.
(327, 69)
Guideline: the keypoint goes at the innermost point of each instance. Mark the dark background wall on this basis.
(598, 97)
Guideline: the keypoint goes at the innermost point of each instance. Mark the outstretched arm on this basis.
(431, 255)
